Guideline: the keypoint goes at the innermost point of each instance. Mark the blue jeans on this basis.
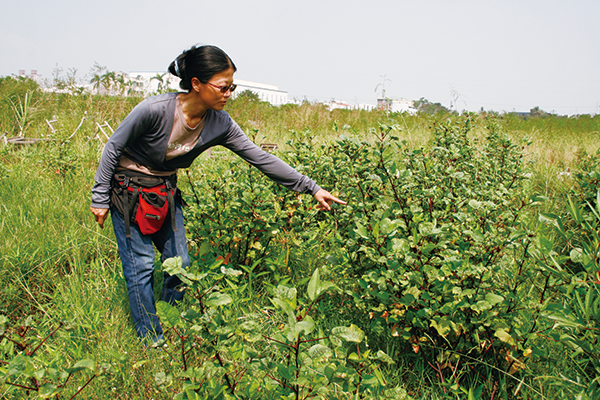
(137, 257)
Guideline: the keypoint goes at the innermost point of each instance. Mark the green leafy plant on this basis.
(282, 354)
(23, 368)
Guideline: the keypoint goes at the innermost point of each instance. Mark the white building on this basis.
(269, 93)
(150, 82)
(396, 105)
(342, 105)
(33, 75)
(333, 105)
(153, 82)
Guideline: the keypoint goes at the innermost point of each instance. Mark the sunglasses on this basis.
(224, 89)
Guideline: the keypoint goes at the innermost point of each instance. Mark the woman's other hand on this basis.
(101, 214)
(325, 199)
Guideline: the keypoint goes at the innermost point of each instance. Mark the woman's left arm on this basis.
(274, 168)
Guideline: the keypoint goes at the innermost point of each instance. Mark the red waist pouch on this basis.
(152, 208)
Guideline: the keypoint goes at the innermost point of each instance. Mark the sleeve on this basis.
(135, 124)
(275, 169)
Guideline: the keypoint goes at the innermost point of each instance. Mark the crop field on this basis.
(466, 264)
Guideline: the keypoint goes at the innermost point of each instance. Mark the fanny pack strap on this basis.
(171, 201)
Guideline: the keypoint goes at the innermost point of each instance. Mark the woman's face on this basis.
(210, 94)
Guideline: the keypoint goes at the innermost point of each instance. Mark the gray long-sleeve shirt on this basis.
(145, 133)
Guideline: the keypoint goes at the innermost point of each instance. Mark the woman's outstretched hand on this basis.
(101, 214)
(325, 199)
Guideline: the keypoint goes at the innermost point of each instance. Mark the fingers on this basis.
(100, 214)
(100, 220)
(325, 199)
(335, 199)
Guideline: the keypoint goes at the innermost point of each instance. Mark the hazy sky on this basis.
(500, 55)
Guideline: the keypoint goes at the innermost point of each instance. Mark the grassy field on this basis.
(62, 281)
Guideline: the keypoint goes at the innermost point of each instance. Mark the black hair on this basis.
(201, 62)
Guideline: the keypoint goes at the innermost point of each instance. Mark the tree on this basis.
(108, 81)
(96, 81)
(426, 107)
(248, 95)
(163, 87)
(536, 112)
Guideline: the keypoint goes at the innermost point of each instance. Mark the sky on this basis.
(497, 55)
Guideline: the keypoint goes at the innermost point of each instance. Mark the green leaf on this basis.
(204, 248)
(230, 271)
(576, 255)
(370, 380)
(81, 365)
(218, 299)
(47, 391)
(286, 292)
(481, 305)
(493, 299)
(329, 371)
(306, 326)
(169, 315)
(320, 352)
(362, 231)
(350, 334)
(39, 374)
(170, 265)
(477, 235)
(443, 326)
(163, 379)
(285, 305)
(504, 336)
(474, 204)
(382, 356)
(139, 364)
(314, 285)
(285, 371)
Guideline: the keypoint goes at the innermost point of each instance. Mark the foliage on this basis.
(66, 83)
(425, 106)
(24, 369)
(536, 112)
(435, 247)
(279, 353)
(247, 96)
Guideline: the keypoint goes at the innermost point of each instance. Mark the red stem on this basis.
(83, 387)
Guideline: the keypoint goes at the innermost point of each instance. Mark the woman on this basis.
(137, 173)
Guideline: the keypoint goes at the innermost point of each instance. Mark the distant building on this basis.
(150, 82)
(33, 75)
(269, 93)
(341, 105)
(396, 105)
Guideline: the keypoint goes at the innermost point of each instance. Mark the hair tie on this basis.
(177, 72)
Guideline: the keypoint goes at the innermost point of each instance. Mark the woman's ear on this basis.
(196, 84)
